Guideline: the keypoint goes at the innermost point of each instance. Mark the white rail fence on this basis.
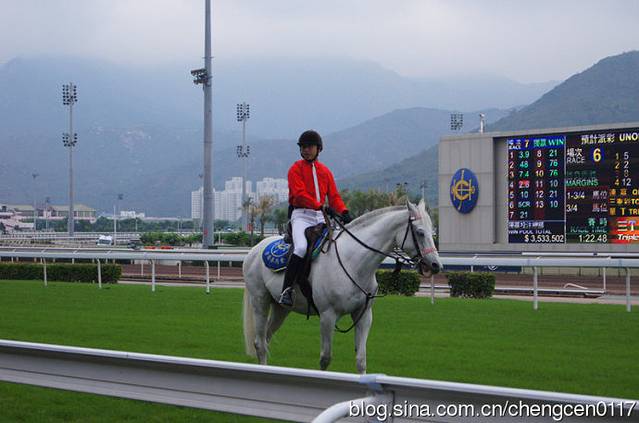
(238, 256)
(288, 393)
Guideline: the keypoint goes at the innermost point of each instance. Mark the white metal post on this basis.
(44, 263)
(153, 275)
(141, 267)
(208, 280)
(604, 279)
(218, 270)
(628, 304)
(432, 289)
(180, 269)
(535, 286)
(99, 275)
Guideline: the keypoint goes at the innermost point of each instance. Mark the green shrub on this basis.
(169, 238)
(61, 272)
(241, 238)
(403, 283)
(471, 284)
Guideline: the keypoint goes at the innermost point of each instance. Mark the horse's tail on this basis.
(249, 325)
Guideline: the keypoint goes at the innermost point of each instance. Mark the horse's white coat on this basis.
(333, 292)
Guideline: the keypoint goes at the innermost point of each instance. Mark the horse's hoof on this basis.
(324, 362)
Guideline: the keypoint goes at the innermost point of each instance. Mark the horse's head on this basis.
(417, 239)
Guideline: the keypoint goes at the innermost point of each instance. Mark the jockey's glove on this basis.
(330, 211)
(346, 217)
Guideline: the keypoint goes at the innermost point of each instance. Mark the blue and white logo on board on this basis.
(464, 190)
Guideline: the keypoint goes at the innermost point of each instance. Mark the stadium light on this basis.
(202, 77)
(482, 122)
(456, 121)
(70, 139)
(243, 151)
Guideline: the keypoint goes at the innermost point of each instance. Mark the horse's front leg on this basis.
(327, 326)
(362, 328)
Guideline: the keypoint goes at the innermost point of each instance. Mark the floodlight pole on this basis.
(208, 134)
(244, 172)
(203, 76)
(69, 97)
(71, 219)
(243, 152)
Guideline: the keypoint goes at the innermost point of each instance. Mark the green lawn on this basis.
(587, 349)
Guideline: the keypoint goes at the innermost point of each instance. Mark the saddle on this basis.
(278, 252)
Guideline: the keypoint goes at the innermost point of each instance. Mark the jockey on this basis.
(309, 183)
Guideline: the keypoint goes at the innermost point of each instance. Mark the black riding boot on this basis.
(293, 269)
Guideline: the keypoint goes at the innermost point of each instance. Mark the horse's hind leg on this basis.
(361, 336)
(327, 324)
(261, 307)
(275, 320)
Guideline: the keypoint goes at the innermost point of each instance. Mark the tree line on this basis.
(261, 214)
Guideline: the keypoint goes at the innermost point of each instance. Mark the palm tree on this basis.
(263, 211)
(280, 217)
(246, 210)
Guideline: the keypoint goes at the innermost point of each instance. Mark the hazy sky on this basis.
(527, 41)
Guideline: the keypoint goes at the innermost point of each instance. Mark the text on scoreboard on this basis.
(574, 187)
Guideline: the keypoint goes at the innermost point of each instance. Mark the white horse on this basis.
(335, 294)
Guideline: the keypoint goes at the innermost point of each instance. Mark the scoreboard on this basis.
(574, 188)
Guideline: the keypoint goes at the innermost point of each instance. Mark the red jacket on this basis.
(301, 189)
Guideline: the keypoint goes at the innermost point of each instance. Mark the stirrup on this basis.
(286, 299)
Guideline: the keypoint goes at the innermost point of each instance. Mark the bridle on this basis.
(398, 256)
(420, 252)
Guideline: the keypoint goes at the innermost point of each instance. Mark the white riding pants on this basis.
(300, 220)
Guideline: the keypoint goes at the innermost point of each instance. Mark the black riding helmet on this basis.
(310, 137)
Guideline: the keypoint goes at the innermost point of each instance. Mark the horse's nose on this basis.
(434, 267)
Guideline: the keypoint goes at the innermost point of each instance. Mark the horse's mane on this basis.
(366, 218)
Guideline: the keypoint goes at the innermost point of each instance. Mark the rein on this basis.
(395, 256)
(399, 260)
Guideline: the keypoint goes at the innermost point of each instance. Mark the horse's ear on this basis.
(422, 204)
(411, 207)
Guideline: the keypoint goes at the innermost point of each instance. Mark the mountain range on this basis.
(286, 96)
(140, 131)
(607, 92)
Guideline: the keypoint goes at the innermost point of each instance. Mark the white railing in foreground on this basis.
(280, 392)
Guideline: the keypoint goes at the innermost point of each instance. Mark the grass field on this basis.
(586, 349)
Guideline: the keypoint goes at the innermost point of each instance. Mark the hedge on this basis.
(61, 272)
(403, 283)
(471, 284)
